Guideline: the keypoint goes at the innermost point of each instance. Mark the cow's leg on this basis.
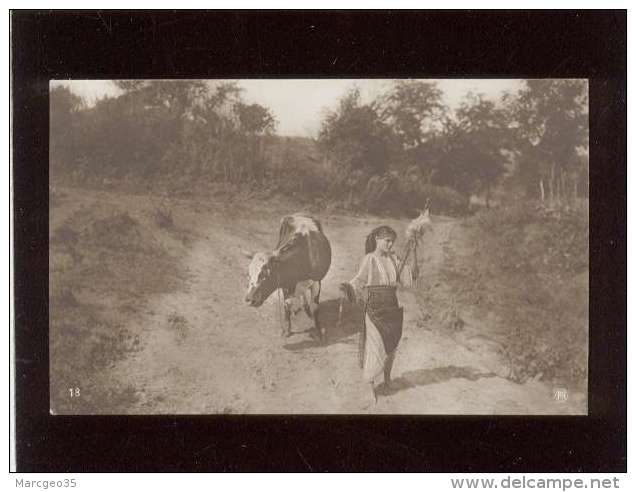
(314, 304)
(286, 328)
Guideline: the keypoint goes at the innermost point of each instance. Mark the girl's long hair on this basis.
(382, 231)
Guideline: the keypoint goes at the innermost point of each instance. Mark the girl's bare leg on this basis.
(388, 365)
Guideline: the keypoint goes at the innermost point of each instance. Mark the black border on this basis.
(189, 44)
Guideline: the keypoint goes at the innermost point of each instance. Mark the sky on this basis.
(299, 104)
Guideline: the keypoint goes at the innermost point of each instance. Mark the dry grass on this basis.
(105, 261)
(542, 261)
(525, 275)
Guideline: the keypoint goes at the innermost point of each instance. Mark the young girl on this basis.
(375, 286)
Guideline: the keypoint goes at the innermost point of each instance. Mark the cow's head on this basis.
(262, 281)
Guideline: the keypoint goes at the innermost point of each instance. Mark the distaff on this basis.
(414, 233)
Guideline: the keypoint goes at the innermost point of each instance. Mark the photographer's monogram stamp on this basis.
(560, 394)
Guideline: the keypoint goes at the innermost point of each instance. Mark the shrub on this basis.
(535, 262)
(401, 195)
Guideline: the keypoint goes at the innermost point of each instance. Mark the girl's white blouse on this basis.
(378, 269)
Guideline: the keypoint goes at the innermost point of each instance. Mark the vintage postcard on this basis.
(319, 246)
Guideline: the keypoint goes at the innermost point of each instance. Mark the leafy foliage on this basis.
(164, 127)
(408, 127)
(355, 137)
(474, 141)
(64, 124)
(540, 260)
(389, 153)
(414, 110)
(550, 119)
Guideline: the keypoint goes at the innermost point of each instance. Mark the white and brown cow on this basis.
(297, 266)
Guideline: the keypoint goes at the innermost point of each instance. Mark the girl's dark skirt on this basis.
(384, 312)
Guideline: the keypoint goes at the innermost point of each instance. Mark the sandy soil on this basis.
(201, 350)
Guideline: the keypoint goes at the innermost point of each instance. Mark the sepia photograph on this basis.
(401, 246)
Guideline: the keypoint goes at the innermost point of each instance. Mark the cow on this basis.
(297, 266)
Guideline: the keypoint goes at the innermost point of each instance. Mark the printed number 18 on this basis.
(75, 392)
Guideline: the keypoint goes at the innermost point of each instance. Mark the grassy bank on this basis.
(107, 257)
(522, 274)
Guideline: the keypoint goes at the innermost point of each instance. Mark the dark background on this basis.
(188, 44)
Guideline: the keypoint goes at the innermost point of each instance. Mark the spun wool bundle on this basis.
(418, 226)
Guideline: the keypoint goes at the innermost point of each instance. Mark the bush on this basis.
(536, 263)
(551, 352)
(402, 195)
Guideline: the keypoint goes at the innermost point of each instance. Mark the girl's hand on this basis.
(347, 290)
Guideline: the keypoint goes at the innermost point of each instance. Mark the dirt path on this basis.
(203, 351)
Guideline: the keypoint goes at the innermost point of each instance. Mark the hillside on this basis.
(148, 317)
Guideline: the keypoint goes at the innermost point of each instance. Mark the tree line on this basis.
(405, 143)
(536, 138)
(160, 127)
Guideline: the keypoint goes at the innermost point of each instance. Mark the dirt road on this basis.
(202, 351)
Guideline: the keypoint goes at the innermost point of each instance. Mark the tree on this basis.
(551, 126)
(130, 85)
(475, 141)
(413, 109)
(355, 137)
(131, 133)
(254, 123)
(173, 127)
(64, 109)
(255, 119)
